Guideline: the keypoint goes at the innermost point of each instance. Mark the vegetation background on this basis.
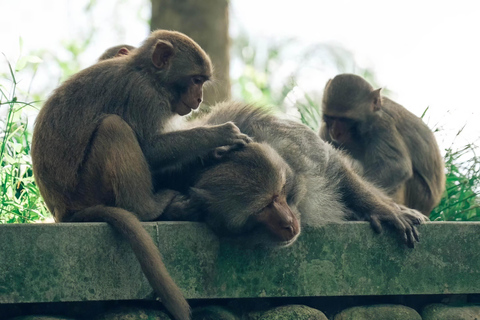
(261, 72)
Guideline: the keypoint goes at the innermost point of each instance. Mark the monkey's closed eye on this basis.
(198, 80)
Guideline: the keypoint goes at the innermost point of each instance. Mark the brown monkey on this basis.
(116, 51)
(397, 151)
(101, 131)
(291, 160)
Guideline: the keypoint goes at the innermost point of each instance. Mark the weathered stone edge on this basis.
(78, 262)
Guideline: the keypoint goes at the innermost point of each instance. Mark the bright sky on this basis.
(426, 52)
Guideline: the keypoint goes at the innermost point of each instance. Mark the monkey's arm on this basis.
(387, 161)
(370, 204)
(175, 149)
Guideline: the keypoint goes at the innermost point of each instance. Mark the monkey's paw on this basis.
(233, 135)
(414, 215)
(403, 219)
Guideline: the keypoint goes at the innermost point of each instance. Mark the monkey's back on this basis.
(427, 162)
(67, 122)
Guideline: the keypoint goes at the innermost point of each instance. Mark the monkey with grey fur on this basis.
(288, 161)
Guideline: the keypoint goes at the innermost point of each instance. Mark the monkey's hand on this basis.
(403, 219)
(232, 136)
(220, 152)
(181, 209)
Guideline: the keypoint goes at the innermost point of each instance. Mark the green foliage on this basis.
(460, 200)
(20, 200)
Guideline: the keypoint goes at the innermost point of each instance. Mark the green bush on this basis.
(460, 201)
(20, 199)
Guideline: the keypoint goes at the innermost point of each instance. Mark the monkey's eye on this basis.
(198, 80)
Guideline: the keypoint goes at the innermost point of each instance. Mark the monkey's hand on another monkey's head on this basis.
(403, 219)
(232, 135)
(220, 152)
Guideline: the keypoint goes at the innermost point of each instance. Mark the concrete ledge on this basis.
(89, 262)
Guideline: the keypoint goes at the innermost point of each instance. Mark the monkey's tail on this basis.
(146, 252)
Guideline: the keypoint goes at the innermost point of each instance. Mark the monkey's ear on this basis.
(377, 100)
(162, 53)
(122, 52)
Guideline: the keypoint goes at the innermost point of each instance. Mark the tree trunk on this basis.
(205, 21)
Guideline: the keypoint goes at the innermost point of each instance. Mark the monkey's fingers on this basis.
(402, 229)
(411, 230)
(414, 216)
(220, 152)
(410, 237)
(415, 234)
(244, 139)
(376, 224)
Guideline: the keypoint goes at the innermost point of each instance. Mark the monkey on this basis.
(396, 149)
(101, 132)
(116, 51)
(316, 181)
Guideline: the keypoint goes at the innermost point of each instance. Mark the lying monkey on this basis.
(289, 176)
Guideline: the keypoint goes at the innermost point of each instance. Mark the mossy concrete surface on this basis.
(90, 261)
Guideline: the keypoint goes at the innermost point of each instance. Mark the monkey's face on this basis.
(189, 96)
(340, 130)
(183, 67)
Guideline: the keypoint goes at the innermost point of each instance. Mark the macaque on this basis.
(396, 149)
(116, 51)
(101, 132)
(288, 162)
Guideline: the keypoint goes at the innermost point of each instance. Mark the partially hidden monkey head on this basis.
(247, 194)
(116, 51)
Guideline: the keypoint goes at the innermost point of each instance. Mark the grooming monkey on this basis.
(101, 131)
(396, 149)
(312, 181)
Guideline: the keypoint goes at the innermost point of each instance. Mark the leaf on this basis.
(22, 62)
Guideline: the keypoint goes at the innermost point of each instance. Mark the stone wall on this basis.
(337, 271)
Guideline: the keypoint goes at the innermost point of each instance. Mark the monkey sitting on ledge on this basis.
(396, 150)
(102, 131)
(288, 178)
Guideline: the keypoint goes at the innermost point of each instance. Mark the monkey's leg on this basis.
(116, 159)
